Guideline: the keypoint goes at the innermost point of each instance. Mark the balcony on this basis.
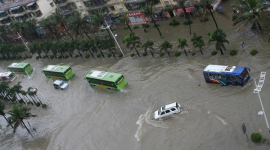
(3, 14)
(22, 17)
(16, 10)
(19, 14)
(59, 1)
(98, 3)
(134, 1)
(5, 21)
(68, 9)
(32, 7)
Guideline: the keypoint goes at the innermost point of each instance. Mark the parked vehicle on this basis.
(59, 84)
(7, 77)
(167, 110)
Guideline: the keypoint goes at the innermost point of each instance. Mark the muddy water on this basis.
(82, 117)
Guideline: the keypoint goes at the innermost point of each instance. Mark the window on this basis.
(162, 113)
(112, 8)
(239, 79)
(119, 80)
(173, 109)
(58, 74)
(101, 82)
(167, 3)
(206, 75)
(168, 111)
(233, 77)
(52, 4)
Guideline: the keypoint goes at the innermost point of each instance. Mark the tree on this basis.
(183, 44)
(17, 87)
(148, 45)
(86, 46)
(165, 46)
(182, 5)
(207, 4)
(252, 12)
(148, 11)
(97, 45)
(74, 44)
(47, 25)
(34, 49)
(132, 42)
(109, 44)
(17, 115)
(220, 37)
(198, 42)
(78, 24)
(65, 46)
(3, 89)
(125, 20)
(3, 33)
(2, 113)
(55, 49)
(30, 27)
(60, 20)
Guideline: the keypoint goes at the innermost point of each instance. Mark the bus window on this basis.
(206, 75)
(239, 79)
(233, 77)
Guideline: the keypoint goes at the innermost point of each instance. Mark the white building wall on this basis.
(45, 8)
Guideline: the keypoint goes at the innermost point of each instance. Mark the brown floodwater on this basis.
(82, 117)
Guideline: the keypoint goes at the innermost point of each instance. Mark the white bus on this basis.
(7, 77)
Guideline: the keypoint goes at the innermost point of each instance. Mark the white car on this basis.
(59, 84)
(167, 110)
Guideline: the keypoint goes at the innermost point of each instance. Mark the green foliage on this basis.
(177, 54)
(256, 137)
(233, 52)
(44, 106)
(156, 25)
(120, 55)
(145, 25)
(37, 57)
(52, 57)
(87, 56)
(76, 56)
(132, 55)
(20, 101)
(98, 55)
(174, 23)
(204, 19)
(193, 53)
(187, 22)
(144, 54)
(214, 53)
(253, 52)
(234, 17)
(25, 57)
(18, 57)
(66, 56)
(38, 104)
(60, 57)
(135, 27)
(109, 55)
(161, 54)
(28, 103)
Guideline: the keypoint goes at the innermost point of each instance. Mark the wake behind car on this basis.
(59, 84)
(167, 110)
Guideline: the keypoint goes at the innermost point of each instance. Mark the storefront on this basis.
(136, 18)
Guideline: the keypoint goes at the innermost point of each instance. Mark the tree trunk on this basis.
(113, 53)
(79, 52)
(91, 53)
(86, 34)
(128, 26)
(70, 54)
(152, 53)
(221, 51)
(156, 27)
(68, 33)
(46, 54)
(201, 51)
(137, 51)
(109, 33)
(62, 55)
(168, 53)
(101, 52)
(55, 55)
(39, 56)
(213, 19)
(7, 121)
(27, 128)
(37, 98)
(185, 52)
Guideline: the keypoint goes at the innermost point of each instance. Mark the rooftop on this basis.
(14, 3)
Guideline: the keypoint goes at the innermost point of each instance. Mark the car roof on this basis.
(57, 82)
(170, 105)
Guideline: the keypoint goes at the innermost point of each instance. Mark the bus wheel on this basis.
(109, 89)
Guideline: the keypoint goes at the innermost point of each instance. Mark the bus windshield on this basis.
(245, 74)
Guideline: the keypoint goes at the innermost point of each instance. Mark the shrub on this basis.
(37, 57)
(66, 56)
(25, 57)
(256, 137)
(76, 56)
(44, 57)
(87, 56)
(177, 54)
(161, 54)
(98, 55)
(204, 19)
(135, 27)
(109, 55)
(214, 53)
(144, 54)
(233, 52)
(20, 101)
(60, 57)
(145, 25)
(187, 22)
(234, 17)
(38, 104)
(44, 106)
(28, 103)
(174, 23)
(18, 57)
(253, 52)
(156, 25)
(132, 55)
(120, 55)
(52, 57)
(193, 53)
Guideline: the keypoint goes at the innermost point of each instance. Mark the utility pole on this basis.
(25, 44)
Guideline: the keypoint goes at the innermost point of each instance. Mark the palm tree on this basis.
(60, 19)
(17, 115)
(32, 92)
(125, 20)
(3, 89)
(148, 45)
(183, 44)
(17, 87)
(41, 48)
(207, 4)
(220, 37)
(182, 5)
(164, 46)
(3, 33)
(252, 12)
(55, 49)
(109, 44)
(97, 45)
(74, 44)
(30, 27)
(148, 11)
(86, 45)
(34, 49)
(65, 46)
(47, 25)
(132, 42)
(2, 113)
(78, 24)
(2, 50)
(97, 19)
(198, 42)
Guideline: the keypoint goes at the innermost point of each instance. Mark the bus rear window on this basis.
(119, 80)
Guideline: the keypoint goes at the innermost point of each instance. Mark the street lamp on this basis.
(23, 41)
(257, 90)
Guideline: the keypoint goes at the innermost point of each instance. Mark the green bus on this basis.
(106, 80)
(58, 72)
(20, 68)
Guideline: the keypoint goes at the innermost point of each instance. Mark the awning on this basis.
(30, 4)
(14, 8)
(188, 10)
(2, 11)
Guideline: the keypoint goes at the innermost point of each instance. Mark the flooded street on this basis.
(88, 118)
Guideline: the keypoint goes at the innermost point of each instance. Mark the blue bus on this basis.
(225, 75)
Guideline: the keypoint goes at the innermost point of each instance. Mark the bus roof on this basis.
(224, 69)
(106, 76)
(18, 65)
(5, 74)
(55, 68)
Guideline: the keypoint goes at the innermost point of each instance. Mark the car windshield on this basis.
(62, 83)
